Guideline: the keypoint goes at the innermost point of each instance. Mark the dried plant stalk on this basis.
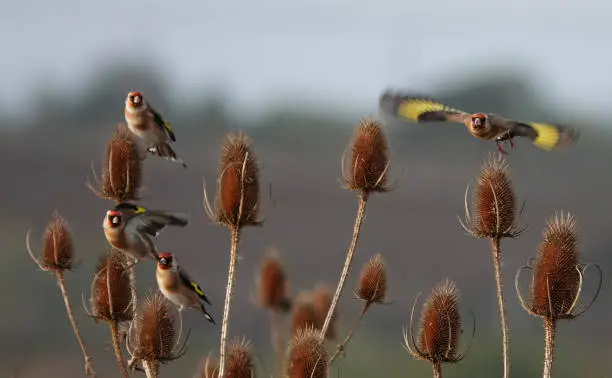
(306, 356)
(322, 297)
(57, 257)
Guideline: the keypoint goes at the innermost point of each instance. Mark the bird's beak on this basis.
(477, 122)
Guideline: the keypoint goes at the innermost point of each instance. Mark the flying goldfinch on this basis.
(145, 122)
(180, 289)
(129, 228)
(485, 126)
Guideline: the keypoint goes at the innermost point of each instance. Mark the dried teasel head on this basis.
(272, 283)
(494, 212)
(369, 163)
(440, 327)
(121, 167)
(237, 200)
(112, 289)
(306, 357)
(372, 286)
(557, 274)
(239, 360)
(304, 314)
(155, 337)
(58, 250)
(322, 298)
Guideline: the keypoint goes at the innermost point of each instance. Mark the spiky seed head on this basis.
(494, 201)
(122, 167)
(155, 330)
(112, 289)
(304, 314)
(58, 252)
(372, 286)
(239, 360)
(556, 280)
(369, 161)
(322, 298)
(273, 283)
(237, 201)
(440, 325)
(306, 357)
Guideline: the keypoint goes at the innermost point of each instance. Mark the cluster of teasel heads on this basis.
(303, 326)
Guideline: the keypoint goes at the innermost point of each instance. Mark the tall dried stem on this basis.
(231, 278)
(550, 330)
(495, 247)
(116, 338)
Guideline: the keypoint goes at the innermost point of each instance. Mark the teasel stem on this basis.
(276, 328)
(495, 247)
(231, 278)
(361, 210)
(132, 272)
(437, 370)
(89, 370)
(550, 330)
(340, 348)
(114, 327)
(151, 368)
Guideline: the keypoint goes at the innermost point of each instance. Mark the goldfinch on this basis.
(180, 289)
(485, 126)
(145, 122)
(129, 228)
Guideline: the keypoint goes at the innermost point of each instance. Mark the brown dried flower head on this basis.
(556, 279)
(307, 357)
(369, 162)
(322, 298)
(112, 289)
(273, 283)
(304, 314)
(440, 325)
(156, 337)
(58, 252)
(373, 281)
(494, 202)
(121, 168)
(239, 360)
(237, 201)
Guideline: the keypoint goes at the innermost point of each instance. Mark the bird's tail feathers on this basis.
(207, 315)
(550, 137)
(164, 150)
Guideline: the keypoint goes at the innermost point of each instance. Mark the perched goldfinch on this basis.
(129, 228)
(180, 289)
(485, 126)
(145, 122)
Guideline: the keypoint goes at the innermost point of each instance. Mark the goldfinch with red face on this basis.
(485, 126)
(129, 228)
(180, 289)
(145, 122)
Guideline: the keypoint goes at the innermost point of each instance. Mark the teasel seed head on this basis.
(156, 338)
(322, 298)
(121, 167)
(239, 360)
(112, 289)
(369, 161)
(58, 249)
(272, 283)
(237, 200)
(372, 286)
(306, 357)
(557, 274)
(304, 314)
(494, 212)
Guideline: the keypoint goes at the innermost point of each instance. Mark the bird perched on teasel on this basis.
(146, 123)
(485, 126)
(180, 289)
(129, 228)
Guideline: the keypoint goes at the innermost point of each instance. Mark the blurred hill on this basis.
(48, 156)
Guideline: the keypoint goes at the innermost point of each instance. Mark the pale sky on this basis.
(337, 50)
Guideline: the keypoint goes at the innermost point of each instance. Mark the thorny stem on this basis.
(117, 347)
(151, 368)
(363, 201)
(341, 347)
(550, 329)
(133, 285)
(231, 277)
(89, 370)
(276, 327)
(502, 307)
(437, 370)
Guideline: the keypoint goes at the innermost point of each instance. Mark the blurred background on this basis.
(297, 76)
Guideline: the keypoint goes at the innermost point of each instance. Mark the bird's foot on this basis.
(501, 140)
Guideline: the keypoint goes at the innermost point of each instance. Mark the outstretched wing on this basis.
(162, 123)
(546, 136)
(420, 108)
(193, 286)
(152, 221)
